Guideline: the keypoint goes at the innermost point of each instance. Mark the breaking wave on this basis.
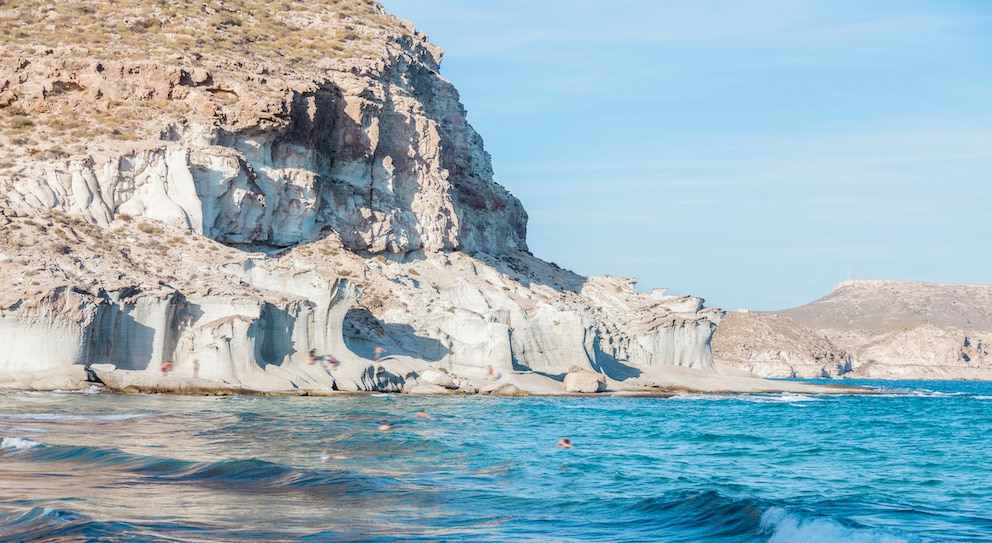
(712, 516)
(783, 526)
(17, 444)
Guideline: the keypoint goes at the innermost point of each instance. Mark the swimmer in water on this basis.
(422, 414)
(564, 443)
(325, 456)
(384, 427)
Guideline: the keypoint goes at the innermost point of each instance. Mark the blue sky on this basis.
(753, 153)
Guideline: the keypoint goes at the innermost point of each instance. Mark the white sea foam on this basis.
(17, 444)
(701, 396)
(785, 397)
(786, 527)
(94, 389)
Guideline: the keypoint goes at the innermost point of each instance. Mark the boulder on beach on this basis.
(584, 381)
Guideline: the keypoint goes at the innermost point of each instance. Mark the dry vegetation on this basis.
(292, 30)
(249, 39)
(55, 250)
(42, 133)
(60, 249)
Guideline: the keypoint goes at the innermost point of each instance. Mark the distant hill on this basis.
(877, 329)
(863, 303)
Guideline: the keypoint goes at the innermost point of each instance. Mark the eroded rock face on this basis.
(381, 154)
(229, 339)
(369, 199)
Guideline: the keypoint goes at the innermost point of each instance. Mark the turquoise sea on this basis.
(912, 463)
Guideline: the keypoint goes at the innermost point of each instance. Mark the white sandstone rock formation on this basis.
(245, 210)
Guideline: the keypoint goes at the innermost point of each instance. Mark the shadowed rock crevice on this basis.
(275, 328)
(608, 365)
(363, 332)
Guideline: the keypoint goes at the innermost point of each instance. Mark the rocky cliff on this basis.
(868, 329)
(227, 186)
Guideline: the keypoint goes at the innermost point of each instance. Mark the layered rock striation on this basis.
(231, 210)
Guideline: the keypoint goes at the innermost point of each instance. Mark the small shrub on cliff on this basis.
(21, 123)
(147, 228)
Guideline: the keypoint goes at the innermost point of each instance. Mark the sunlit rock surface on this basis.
(228, 214)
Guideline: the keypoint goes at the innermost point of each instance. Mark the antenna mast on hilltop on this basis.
(850, 273)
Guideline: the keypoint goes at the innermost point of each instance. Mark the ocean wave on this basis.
(49, 524)
(28, 430)
(707, 514)
(252, 474)
(784, 526)
(63, 417)
(260, 474)
(17, 444)
(38, 524)
(713, 516)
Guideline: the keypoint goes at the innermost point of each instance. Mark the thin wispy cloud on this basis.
(735, 149)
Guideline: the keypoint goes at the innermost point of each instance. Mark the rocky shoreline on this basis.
(105, 378)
